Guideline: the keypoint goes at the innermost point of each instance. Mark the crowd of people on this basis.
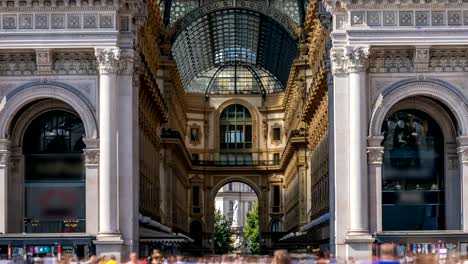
(386, 255)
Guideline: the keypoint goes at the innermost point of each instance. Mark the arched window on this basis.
(413, 189)
(236, 135)
(54, 174)
(276, 226)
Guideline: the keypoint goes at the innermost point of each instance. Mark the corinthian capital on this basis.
(126, 62)
(338, 62)
(108, 60)
(357, 58)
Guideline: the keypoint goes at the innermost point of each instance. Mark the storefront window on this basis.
(54, 174)
(413, 173)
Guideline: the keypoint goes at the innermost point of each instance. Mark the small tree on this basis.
(252, 230)
(222, 234)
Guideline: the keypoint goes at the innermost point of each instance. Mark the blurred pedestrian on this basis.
(387, 254)
(133, 258)
(112, 260)
(281, 257)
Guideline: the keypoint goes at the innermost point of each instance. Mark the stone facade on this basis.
(377, 72)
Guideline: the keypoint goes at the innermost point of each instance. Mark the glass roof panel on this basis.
(234, 42)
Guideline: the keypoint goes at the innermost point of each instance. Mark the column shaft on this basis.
(108, 184)
(358, 192)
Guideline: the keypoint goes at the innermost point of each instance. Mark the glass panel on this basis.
(54, 174)
(235, 130)
(413, 173)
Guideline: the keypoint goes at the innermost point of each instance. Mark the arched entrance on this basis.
(236, 225)
(54, 179)
(417, 175)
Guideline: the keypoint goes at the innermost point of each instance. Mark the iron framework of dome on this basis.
(234, 51)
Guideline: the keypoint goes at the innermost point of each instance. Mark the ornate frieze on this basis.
(74, 62)
(108, 60)
(413, 17)
(392, 61)
(448, 60)
(17, 63)
(58, 20)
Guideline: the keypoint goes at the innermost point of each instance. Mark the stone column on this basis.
(128, 158)
(374, 163)
(462, 150)
(358, 192)
(108, 118)
(4, 158)
(91, 154)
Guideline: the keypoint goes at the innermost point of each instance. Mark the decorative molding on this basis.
(108, 60)
(74, 63)
(462, 149)
(44, 61)
(421, 59)
(14, 64)
(391, 60)
(198, 134)
(448, 60)
(64, 19)
(375, 155)
(463, 154)
(273, 141)
(91, 157)
(402, 90)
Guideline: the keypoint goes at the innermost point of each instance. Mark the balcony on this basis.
(236, 163)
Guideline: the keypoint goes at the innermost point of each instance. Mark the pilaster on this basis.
(91, 154)
(374, 164)
(4, 159)
(462, 151)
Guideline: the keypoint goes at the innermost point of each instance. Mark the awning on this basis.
(153, 236)
(317, 221)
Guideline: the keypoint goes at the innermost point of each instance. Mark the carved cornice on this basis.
(108, 60)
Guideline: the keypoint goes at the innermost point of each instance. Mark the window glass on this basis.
(413, 172)
(235, 135)
(54, 174)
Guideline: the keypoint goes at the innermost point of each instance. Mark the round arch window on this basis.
(413, 189)
(54, 174)
(236, 135)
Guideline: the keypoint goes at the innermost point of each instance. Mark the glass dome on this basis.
(236, 79)
(234, 51)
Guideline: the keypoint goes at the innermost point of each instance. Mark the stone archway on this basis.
(254, 181)
(448, 108)
(441, 91)
(23, 105)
